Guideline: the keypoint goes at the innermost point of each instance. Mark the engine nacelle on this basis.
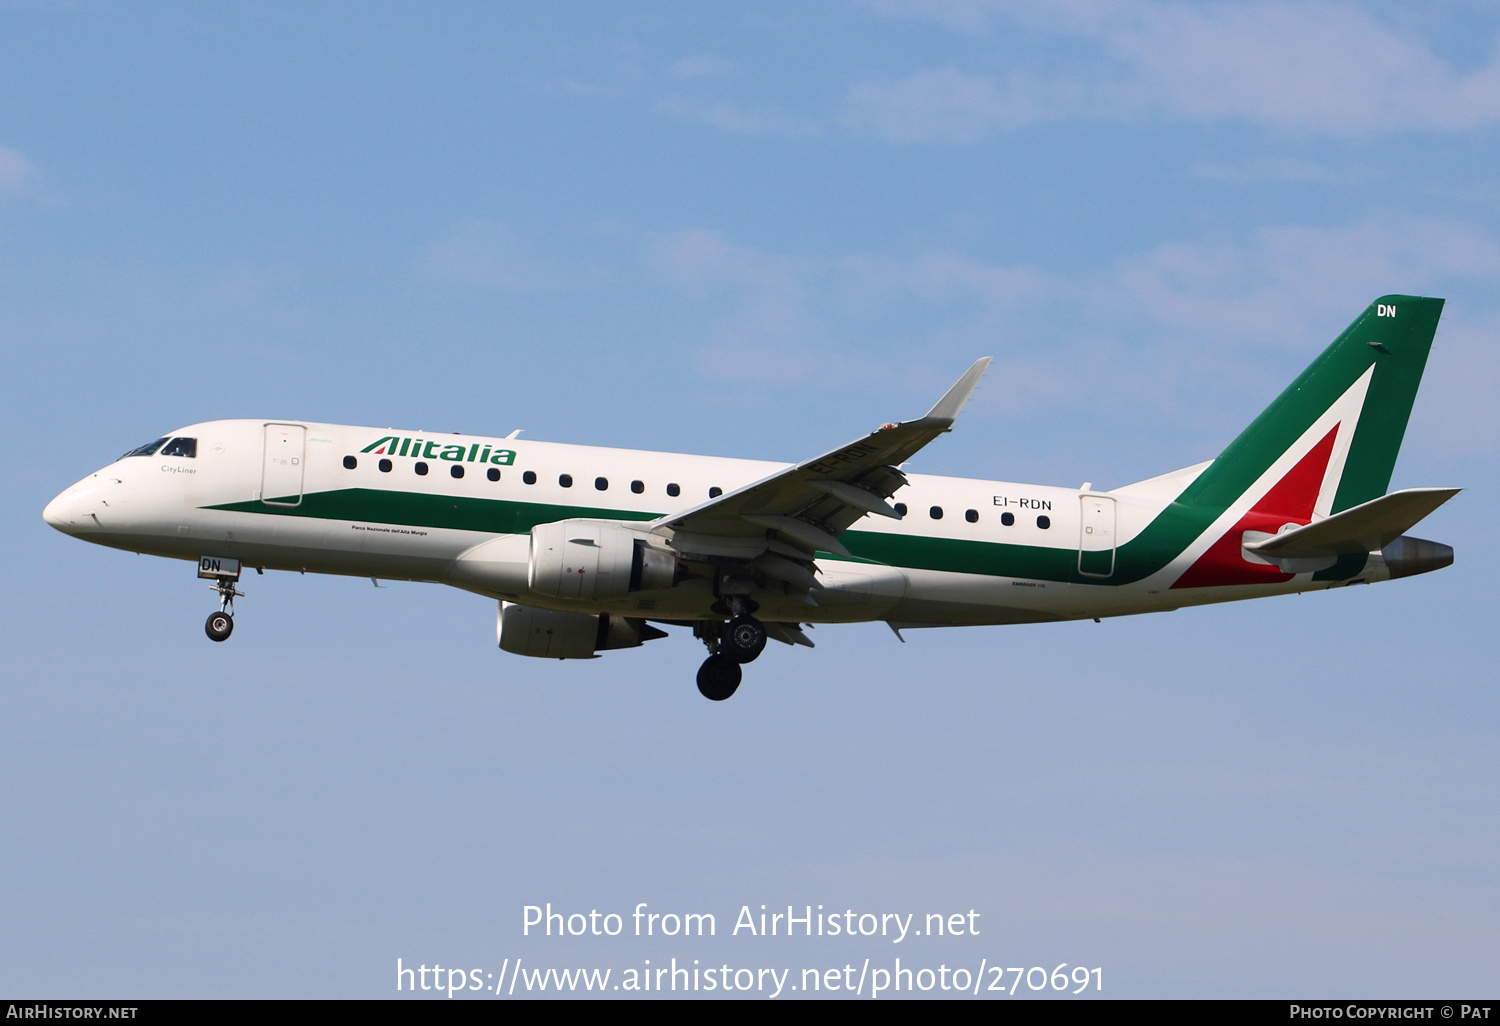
(595, 559)
(549, 634)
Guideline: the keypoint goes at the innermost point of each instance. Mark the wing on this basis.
(779, 522)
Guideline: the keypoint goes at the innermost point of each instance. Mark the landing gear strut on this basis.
(221, 624)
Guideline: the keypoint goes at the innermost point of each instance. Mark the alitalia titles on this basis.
(392, 445)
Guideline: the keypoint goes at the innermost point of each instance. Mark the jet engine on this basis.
(549, 634)
(595, 559)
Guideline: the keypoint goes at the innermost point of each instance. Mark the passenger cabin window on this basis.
(715, 492)
(187, 447)
(385, 466)
(350, 462)
(936, 512)
(457, 470)
(1044, 522)
(421, 469)
(1007, 519)
(674, 490)
(148, 449)
(901, 509)
(638, 487)
(493, 474)
(529, 477)
(971, 515)
(601, 484)
(566, 480)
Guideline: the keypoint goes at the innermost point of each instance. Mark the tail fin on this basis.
(1329, 442)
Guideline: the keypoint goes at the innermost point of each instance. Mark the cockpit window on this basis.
(182, 447)
(146, 450)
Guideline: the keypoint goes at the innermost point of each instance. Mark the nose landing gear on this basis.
(220, 626)
(224, 573)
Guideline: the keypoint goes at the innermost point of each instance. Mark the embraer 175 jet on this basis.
(586, 548)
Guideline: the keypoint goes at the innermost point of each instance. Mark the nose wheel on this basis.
(221, 624)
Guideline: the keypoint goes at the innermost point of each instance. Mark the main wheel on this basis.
(744, 639)
(718, 677)
(219, 626)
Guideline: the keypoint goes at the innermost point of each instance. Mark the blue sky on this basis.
(753, 232)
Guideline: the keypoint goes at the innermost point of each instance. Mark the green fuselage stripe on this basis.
(1141, 557)
(421, 509)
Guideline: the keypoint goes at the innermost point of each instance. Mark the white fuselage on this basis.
(966, 552)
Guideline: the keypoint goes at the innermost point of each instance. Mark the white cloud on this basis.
(697, 256)
(484, 254)
(1287, 281)
(1212, 309)
(1322, 67)
(1456, 409)
(1189, 329)
(973, 16)
(703, 259)
(734, 118)
(1319, 66)
(1280, 169)
(705, 65)
(943, 277)
(948, 105)
(789, 320)
(762, 320)
(15, 170)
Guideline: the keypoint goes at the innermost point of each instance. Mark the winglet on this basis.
(948, 406)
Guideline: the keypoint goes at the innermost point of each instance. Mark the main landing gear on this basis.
(221, 624)
(730, 646)
(718, 677)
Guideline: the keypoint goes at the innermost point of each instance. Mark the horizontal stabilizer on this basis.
(1368, 527)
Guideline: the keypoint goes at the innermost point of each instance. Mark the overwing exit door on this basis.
(1096, 540)
(281, 471)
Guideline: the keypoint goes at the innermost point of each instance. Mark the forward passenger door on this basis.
(281, 470)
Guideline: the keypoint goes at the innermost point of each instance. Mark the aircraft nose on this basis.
(69, 512)
(59, 512)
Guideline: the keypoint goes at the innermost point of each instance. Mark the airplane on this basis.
(587, 549)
